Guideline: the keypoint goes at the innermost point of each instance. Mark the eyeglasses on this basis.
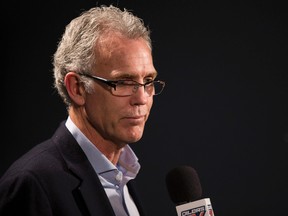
(129, 87)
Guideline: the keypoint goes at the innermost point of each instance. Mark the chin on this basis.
(135, 137)
(132, 134)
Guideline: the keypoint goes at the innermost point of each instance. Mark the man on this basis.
(104, 72)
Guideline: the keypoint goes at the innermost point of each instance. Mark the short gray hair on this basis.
(76, 49)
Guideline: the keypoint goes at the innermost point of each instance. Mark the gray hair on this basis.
(76, 49)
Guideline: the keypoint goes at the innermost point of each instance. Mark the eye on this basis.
(125, 82)
(148, 80)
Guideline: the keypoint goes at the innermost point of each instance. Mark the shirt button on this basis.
(119, 176)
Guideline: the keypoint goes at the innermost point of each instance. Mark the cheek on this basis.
(98, 106)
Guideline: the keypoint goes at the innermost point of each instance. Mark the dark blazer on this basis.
(55, 178)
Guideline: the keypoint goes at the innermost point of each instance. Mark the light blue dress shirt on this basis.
(113, 178)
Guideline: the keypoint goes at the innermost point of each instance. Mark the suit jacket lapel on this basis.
(89, 194)
(135, 195)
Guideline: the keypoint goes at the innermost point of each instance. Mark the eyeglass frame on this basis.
(113, 83)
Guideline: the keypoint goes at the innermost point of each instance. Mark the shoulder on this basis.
(43, 156)
(40, 170)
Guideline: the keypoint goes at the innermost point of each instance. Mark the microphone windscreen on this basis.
(183, 185)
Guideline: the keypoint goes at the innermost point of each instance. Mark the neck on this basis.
(108, 148)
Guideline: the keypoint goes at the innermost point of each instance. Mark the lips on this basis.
(135, 120)
(135, 117)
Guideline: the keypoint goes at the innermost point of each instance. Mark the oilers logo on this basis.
(199, 211)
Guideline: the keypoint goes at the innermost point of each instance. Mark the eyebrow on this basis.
(124, 75)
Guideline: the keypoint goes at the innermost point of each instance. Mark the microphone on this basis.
(185, 191)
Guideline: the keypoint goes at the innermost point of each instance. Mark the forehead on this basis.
(118, 55)
(112, 44)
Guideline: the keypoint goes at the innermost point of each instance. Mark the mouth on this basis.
(135, 117)
(134, 120)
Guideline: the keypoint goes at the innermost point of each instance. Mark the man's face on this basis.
(121, 119)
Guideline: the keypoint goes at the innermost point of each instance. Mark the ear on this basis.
(75, 88)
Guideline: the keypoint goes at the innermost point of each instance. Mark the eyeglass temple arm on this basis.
(107, 82)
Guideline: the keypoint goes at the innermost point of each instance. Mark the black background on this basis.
(223, 112)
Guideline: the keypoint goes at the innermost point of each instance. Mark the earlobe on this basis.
(74, 88)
